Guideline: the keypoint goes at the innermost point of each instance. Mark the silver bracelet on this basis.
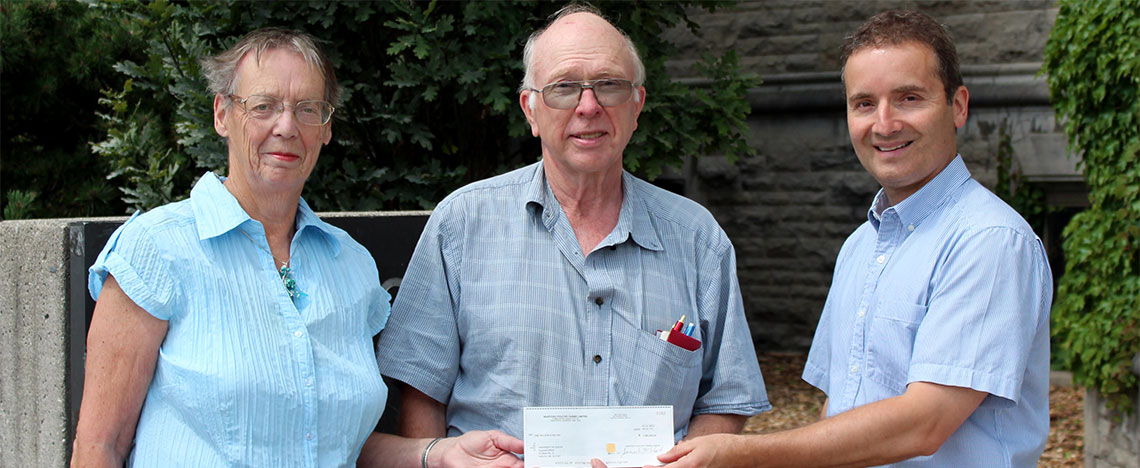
(423, 461)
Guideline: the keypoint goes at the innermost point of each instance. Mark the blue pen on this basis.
(689, 329)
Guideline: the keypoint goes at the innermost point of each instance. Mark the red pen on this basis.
(680, 323)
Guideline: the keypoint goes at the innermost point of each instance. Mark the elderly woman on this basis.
(235, 328)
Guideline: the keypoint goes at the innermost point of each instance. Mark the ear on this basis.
(638, 104)
(220, 111)
(328, 132)
(961, 106)
(524, 97)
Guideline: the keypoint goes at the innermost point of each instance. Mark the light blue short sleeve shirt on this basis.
(245, 377)
(951, 287)
(500, 309)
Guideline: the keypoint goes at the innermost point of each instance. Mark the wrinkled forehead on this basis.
(582, 38)
(275, 64)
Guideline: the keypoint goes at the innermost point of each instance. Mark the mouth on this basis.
(895, 147)
(284, 156)
(588, 136)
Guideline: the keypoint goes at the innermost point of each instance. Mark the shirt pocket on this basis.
(651, 371)
(891, 343)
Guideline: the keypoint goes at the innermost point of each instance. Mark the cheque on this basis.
(620, 436)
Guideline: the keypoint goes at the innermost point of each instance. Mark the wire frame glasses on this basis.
(268, 108)
(566, 94)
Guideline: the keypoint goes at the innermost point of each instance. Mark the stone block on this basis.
(1112, 440)
(34, 416)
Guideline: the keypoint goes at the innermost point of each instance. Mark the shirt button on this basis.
(308, 382)
(881, 259)
(599, 301)
(910, 227)
(309, 436)
(854, 368)
(597, 359)
(862, 312)
(298, 334)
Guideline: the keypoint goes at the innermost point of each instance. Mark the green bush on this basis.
(1093, 64)
(430, 97)
(55, 56)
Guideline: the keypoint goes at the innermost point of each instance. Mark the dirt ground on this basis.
(795, 403)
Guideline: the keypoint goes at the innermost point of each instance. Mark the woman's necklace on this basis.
(290, 283)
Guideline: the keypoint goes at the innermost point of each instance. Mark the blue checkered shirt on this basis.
(500, 309)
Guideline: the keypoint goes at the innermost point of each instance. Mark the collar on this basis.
(915, 208)
(634, 221)
(217, 212)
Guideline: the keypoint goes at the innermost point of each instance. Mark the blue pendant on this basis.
(290, 283)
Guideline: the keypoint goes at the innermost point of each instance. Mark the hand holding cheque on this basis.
(581, 436)
(569, 437)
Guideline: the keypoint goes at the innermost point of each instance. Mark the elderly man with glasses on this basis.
(544, 286)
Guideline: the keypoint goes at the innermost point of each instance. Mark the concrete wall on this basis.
(34, 416)
(789, 208)
(1111, 439)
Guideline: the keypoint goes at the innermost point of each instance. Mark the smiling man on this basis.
(544, 286)
(933, 345)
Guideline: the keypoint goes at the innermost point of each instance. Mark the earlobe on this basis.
(220, 115)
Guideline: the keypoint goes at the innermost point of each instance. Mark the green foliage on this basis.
(1093, 62)
(20, 204)
(54, 60)
(430, 99)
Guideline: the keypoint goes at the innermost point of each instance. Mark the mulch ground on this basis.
(795, 404)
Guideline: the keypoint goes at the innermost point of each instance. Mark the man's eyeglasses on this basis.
(566, 94)
(269, 107)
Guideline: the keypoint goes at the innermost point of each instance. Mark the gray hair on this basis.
(528, 50)
(221, 70)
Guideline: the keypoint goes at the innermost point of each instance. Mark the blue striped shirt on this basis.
(245, 377)
(952, 287)
(500, 309)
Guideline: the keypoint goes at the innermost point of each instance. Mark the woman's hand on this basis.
(491, 449)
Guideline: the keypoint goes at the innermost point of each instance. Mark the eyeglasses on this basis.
(269, 107)
(566, 94)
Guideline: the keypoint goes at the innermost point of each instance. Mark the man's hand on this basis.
(915, 423)
(719, 450)
(490, 449)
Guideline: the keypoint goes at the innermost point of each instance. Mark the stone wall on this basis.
(35, 426)
(1112, 440)
(789, 208)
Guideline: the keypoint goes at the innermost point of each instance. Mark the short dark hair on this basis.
(895, 27)
(221, 70)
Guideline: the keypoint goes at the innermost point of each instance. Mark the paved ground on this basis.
(795, 403)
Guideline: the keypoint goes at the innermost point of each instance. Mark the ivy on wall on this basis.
(1092, 60)
(430, 98)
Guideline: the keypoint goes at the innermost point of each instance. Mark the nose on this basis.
(588, 104)
(885, 121)
(286, 124)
